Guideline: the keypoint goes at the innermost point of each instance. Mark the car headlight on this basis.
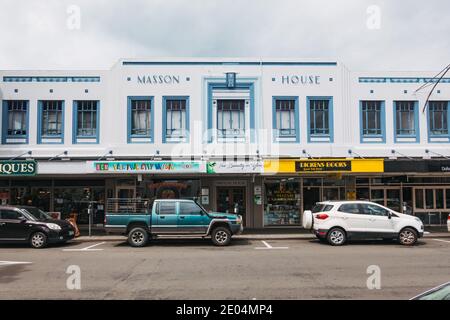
(53, 226)
(239, 219)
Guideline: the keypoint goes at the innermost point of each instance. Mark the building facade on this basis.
(265, 138)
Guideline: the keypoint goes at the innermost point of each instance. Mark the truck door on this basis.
(191, 218)
(166, 217)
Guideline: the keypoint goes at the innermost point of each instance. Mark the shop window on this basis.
(282, 202)
(175, 119)
(86, 121)
(231, 118)
(438, 119)
(285, 120)
(320, 119)
(51, 121)
(15, 121)
(372, 121)
(140, 119)
(406, 121)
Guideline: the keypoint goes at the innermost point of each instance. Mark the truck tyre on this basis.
(138, 237)
(221, 236)
(38, 240)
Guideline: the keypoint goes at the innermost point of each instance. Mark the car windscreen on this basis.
(37, 213)
(321, 207)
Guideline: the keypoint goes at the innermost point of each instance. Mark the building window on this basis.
(320, 118)
(51, 121)
(406, 121)
(372, 121)
(15, 121)
(140, 119)
(438, 118)
(231, 118)
(175, 119)
(86, 121)
(285, 122)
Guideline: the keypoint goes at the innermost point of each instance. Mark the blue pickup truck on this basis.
(141, 220)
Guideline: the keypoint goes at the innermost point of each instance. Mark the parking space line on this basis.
(87, 248)
(269, 247)
(9, 263)
(441, 240)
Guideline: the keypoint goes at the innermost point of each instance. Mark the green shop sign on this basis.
(18, 168)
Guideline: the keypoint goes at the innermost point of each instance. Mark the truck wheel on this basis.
(38, 240)
(221, 236)
(138, 237)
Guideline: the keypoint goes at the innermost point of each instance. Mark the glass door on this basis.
(390, 197)
(231, 200)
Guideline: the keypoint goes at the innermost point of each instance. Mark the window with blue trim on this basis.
(16, 119)
(438, 118)
(405, 118)
(372, 115)
(319, 117)
(285, 118)
(141, 123)
(51, 120)
(86, 115)
(231, 118)
(176, 118)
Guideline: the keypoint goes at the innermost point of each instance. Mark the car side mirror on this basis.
(389, 215)
(22, 219)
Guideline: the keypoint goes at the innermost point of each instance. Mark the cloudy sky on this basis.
(93, 34)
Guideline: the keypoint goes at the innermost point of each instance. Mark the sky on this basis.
(93, 34)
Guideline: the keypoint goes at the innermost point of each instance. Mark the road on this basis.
(248, 269)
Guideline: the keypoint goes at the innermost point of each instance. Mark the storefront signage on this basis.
(324, 166)
(158, 79)
(145, 166)
(400, 165)
(235, 167)
(18, 168)
(328, 165)
(300, 79)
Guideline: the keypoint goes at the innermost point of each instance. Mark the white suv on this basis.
(337, 221)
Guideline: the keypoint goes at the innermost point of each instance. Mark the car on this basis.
(441, 292)
(26, 224)
(339, 221)
(141, 220)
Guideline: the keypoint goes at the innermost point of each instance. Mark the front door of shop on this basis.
(231, 200)
(125, 193)
(311, 195)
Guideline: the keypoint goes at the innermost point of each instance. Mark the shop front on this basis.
(292, 186)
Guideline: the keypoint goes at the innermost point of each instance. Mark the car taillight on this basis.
(322, 216)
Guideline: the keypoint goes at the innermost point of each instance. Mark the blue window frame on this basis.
(285, 119)
(175, 119)
(406, 121)
(231, 118)
(86, 121)
(15, 121)
(438, 119)
(320, 119)
(51, 121)
(140, 119)
(372, 121)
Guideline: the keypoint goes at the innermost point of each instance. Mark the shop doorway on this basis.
(125, 192)
(231, 200)
(311, 195)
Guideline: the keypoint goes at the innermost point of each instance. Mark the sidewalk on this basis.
(257, 234)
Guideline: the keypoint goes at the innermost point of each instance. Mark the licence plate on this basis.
(70, 233)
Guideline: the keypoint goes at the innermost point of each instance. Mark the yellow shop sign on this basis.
(324, 165)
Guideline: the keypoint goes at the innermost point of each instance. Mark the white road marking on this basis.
(87, 248)
(8, 263)
(441, 240)
(269, 247)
